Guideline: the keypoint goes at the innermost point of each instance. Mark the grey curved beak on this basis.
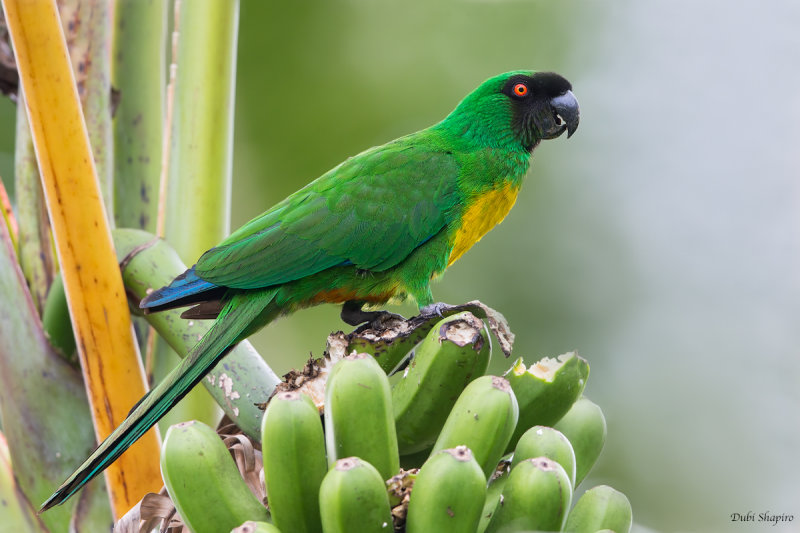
(567, 109)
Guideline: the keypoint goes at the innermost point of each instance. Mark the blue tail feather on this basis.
(184, 288)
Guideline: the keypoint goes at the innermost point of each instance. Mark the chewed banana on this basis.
(546, 390)
(455, 352)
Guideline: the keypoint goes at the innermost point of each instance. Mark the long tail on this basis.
(184, 290)
(230, 327)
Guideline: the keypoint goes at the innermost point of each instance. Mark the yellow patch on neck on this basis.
(486, 211)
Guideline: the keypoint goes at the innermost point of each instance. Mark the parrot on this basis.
(376, 229)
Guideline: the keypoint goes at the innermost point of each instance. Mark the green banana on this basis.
(542, 441)
(483, 419)
(358, 414)
(203, 480)
(455, 352)
(536, 497)
(293, 450)
(546, 390)
(585, 428)
(600, 508)
(56, 322)
(448, 494)
(493, 492)
(256, 527)
(353, 498)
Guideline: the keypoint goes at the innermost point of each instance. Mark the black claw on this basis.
(353, 315)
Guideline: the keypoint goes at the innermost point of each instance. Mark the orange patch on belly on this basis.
(486, 211)
(339, 296)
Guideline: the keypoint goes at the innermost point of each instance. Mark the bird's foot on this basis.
(435, 309)
(353, 315)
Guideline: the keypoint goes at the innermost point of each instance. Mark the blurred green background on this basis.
(662, 241)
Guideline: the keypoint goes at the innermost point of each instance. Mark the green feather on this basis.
(352, 215)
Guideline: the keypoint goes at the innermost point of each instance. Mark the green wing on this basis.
(371, 211)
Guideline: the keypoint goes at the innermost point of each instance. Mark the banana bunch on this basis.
(483, 453)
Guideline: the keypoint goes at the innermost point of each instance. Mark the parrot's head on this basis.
(521, 107)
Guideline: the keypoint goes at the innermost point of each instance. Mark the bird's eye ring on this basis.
(520, 89)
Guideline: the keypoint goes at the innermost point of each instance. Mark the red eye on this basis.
(520, 89)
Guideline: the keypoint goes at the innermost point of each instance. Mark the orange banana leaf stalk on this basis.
(108, 353)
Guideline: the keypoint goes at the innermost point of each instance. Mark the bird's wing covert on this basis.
(371, 211)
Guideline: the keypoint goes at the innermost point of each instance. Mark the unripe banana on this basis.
(600, 508)
(448, 495)
(455, 352)
(546, 390)
(483, 419)
(391, 346)
(353, 498)
(293, 451)
(203, 480)
(358, 414)
(256, 527)
(536, 497)
(585, 428)
(541, 441)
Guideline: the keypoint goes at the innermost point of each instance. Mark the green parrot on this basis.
(376, 228)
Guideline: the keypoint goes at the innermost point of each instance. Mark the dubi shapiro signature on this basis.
(767, 516)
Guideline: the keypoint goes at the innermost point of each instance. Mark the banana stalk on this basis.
(201, 138)
(101, 321)
(238, 382)
(138, 72)
(199, 153)
(203, 481)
